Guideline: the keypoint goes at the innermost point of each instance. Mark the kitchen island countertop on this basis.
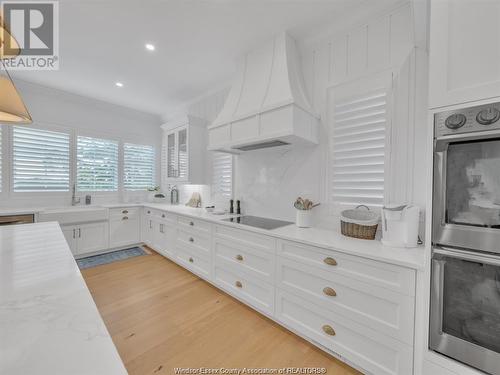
(49, 323)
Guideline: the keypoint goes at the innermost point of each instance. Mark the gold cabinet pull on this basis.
(191, 239)
(149, 212)
(328, 330)
(191, 223)
(329, 291)
(125, 212)
(162, 215)
(330, 261)
(191, 260)
(238, 284)
(125, 218)
(239, 257)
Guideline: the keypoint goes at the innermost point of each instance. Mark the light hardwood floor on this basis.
(162, 317)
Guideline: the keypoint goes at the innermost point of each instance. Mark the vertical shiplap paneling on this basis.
(401, 35)
(338, 60)
(379, 44)
(357, 51)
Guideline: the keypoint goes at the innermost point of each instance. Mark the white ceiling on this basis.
(197, 43)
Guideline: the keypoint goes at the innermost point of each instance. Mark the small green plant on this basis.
(153, 188)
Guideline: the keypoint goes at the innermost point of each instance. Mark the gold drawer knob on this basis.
(330, 261)
(125, 218)
(124, 212)
(191, 223)
(191, 239)
(163, 215)
(191, 260)
(239, 257)
(238, 284)
(329, 291)
(328, 330)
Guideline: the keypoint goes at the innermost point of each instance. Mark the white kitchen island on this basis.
(49, 323)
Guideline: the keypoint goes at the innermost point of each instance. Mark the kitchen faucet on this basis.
(74, 199)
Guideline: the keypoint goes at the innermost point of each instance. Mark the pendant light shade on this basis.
(9, 48)
(12, 108)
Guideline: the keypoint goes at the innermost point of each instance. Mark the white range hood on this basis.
(267, 105)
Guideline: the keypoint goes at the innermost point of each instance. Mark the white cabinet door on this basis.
(92, 237)
(177, 155)
(464, 51)
(124, 231)
(147, 229)
(70, 232)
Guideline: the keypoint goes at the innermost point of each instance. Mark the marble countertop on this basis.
(329, 239)
(49, 323)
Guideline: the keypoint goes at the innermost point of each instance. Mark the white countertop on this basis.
(329, 239)
(49, 323)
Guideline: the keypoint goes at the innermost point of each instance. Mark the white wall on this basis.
(268, 182)
(51, 108)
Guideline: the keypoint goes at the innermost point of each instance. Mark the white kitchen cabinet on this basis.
(159, 231)
(464, 51)
(70, 235)
(184, 150)
(124, 226)
(92, 237)
(87, 238)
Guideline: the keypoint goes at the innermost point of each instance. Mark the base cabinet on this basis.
(374, 352)
(87, 238)
(124, 226)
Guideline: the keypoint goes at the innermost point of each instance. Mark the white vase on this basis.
(304, 218)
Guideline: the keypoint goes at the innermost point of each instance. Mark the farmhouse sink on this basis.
(70, 215)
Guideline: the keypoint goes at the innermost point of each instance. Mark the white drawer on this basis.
(256, 263)
(193, 262)
(374, 352)
(247, 238)
(382, 309)
(250, 290)
(195, 241)
(119, 213)
(199, 225)
(396, 278)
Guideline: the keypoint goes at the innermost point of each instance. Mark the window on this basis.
(40, 160)
(222, 175)
(96, 164)
(138, 166)
(358, 139)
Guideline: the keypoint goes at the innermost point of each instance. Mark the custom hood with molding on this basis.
(267, 105)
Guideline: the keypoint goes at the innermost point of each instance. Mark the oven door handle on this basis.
(437, 296)
(468, 255)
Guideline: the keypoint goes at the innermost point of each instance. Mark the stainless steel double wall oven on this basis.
(465, 279)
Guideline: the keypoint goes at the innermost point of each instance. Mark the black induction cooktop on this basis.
(259, 222)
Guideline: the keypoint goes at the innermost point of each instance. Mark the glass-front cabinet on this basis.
(183, 148)
(177, 155)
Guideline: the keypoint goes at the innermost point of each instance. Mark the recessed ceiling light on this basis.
(119, 84)
(150, 47)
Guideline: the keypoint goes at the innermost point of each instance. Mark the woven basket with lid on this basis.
(359, 223)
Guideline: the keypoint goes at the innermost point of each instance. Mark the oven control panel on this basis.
(466, 120)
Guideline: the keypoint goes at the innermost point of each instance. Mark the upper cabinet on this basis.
(184, 145)
(464, 51)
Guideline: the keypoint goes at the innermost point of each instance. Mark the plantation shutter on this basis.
(97, 164)
(138, 166)
(40, 160)
(358, 139)
(222, 175)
